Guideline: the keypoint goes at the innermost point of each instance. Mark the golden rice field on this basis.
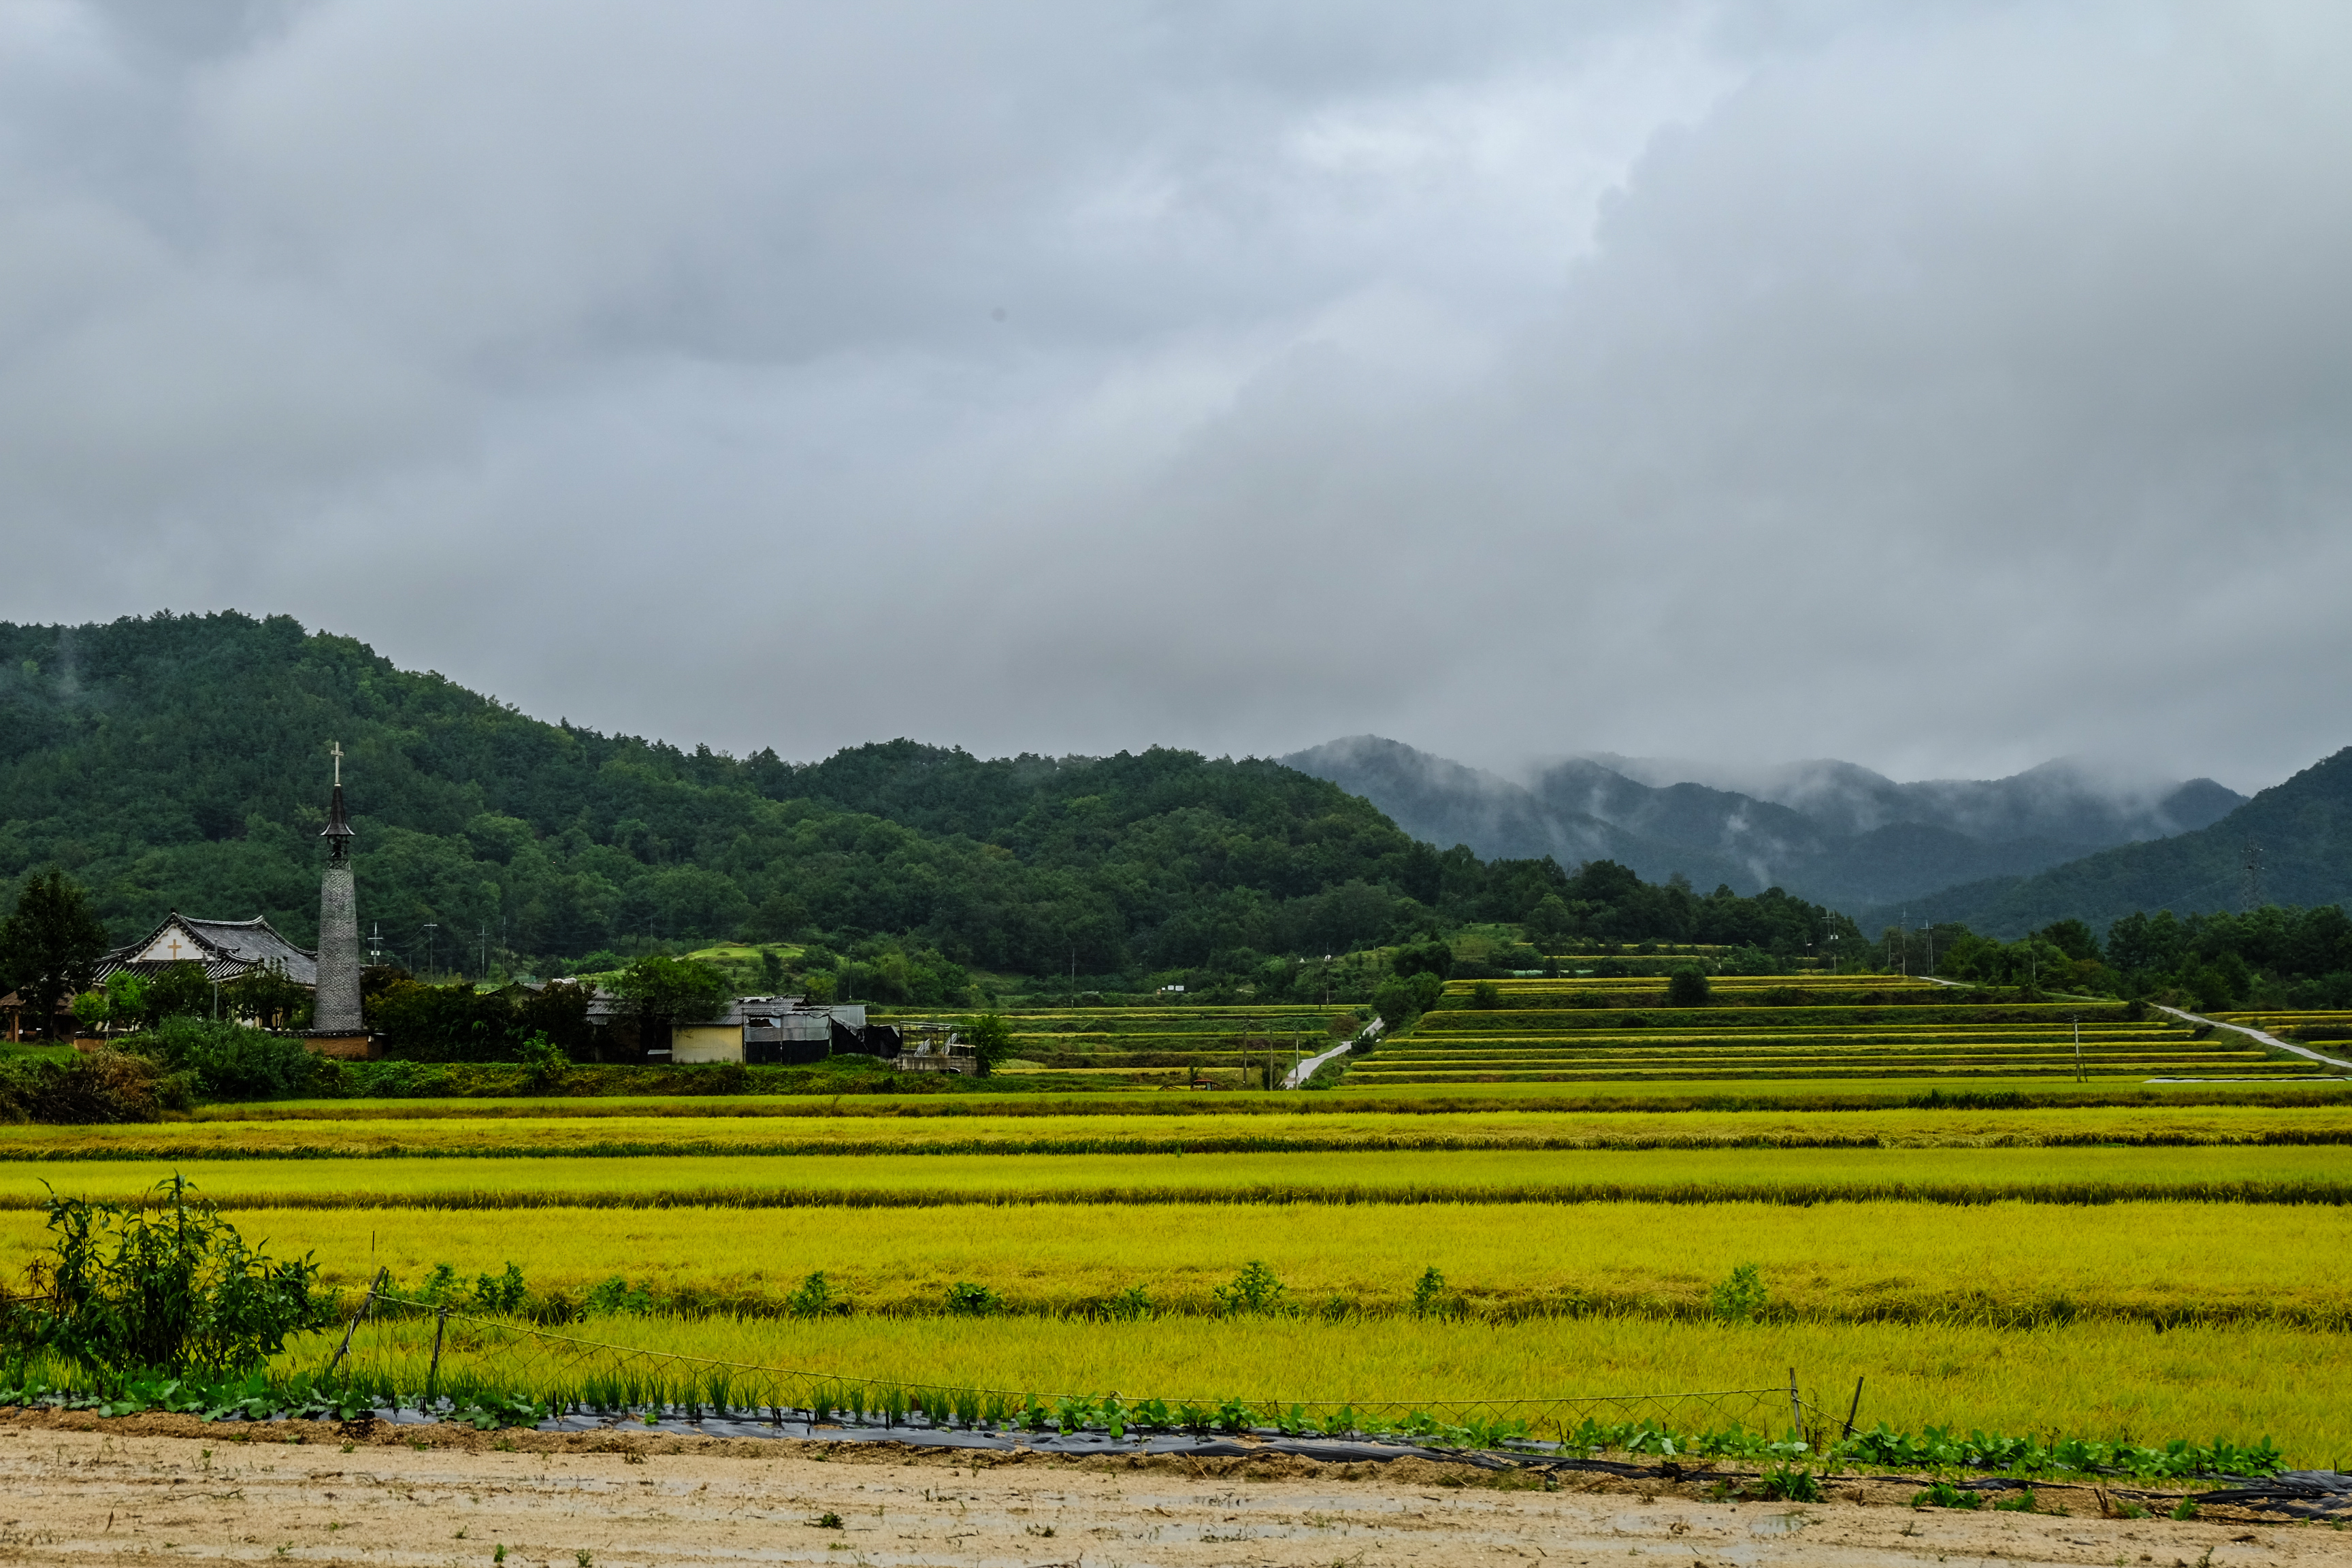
(2001, 1263)
(2120, 1380)
(2237, 1172)
(2151, 1261)
(1288, 1123)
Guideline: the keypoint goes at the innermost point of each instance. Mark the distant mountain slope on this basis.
(1445, 803)
(2063, 801)
(1852, 839)
(2303, 828)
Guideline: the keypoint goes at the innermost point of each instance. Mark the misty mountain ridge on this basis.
(2066, 800)
(1826, 830)
(2291, 843)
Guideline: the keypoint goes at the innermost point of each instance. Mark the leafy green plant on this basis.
(1134, 1302)
(617, 1296)
(1787, 1483)
(1687, 988)
(544, 1060)
(227, 1061)
(1944, 1494)
(991, 1038)
(1429, 1293)
(813, 1299)
(2023, 1502)
(968, 1300)
(501, 1292)
(2186, 1508)
(1253, 1289)
(124, 1289)
(1741, 1297)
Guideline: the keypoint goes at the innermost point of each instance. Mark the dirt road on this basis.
(121, 1494)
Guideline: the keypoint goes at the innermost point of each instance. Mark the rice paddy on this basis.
(2112, 1379)
(1536, 1199)
(2308, 1175)
(1263, 1123)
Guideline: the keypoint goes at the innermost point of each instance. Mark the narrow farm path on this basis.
(2272, 1041)
(1306, 1070)
(2268, 1039)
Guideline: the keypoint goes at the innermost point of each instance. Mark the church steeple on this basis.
(338, 831)
(335, 1005)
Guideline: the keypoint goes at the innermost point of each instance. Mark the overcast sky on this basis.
(1942, 387)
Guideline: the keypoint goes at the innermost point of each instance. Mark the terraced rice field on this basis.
(1861, 1027)
(1168, 1043)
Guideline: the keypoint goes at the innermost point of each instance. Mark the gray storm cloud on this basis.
(1943, 387)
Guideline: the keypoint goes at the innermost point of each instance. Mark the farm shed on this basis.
(770, 1031)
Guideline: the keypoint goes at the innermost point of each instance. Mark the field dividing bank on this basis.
(2112, 1380)
(921, 1099)
(2011, 1264)
(462, 1130)
(2078, 1175)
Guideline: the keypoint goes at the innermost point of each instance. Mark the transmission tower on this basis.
(2252, 863)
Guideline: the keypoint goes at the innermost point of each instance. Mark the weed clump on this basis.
(176, 1290)
(967, 1299)
(1253, 1289)
(1741, 1297)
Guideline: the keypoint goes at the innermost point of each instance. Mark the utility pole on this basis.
(430, 927)
(483, 936)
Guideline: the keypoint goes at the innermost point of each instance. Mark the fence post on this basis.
(433, 1373)
(1855, 1409)
(1796, 1407)
(366, 1305)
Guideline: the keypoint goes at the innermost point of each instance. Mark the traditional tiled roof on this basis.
(225, 948)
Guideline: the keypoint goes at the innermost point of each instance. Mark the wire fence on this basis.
(445, 1358)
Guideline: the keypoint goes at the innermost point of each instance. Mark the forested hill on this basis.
(181, 762)
(2303, 829)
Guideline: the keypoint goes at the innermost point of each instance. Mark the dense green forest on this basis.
(181, 762)
(2275, 956)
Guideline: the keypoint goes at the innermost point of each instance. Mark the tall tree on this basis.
(51, 943)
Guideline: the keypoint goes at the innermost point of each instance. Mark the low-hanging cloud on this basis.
(1945, 387)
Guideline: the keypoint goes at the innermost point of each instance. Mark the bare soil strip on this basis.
(77, 1489)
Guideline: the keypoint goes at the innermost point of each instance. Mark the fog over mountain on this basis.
(1826, 830)
(2291, 843)
(2066, 799)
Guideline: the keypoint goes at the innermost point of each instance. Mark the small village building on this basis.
(772, 1031)
(228, 950)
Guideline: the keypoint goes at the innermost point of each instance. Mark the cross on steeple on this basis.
(338, 831)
